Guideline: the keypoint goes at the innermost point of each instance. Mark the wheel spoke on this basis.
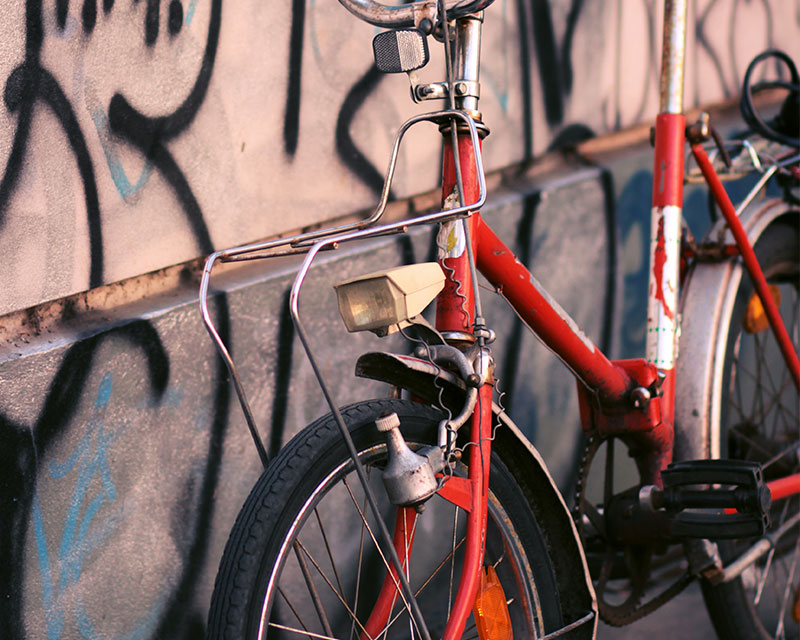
(438, 568)
(365, 525)
(763, 578)
(408, 561)
(789, 415)
(768, 371)
(452, 561)
(360, 565)
(389, 624)
(788, 589)
(308, 634)
(755, 447)
(470, 632)
(757, 379)
(785, 381)
(291, 608)
(377, 547)
(338, 595)
(312, 588)
(791, 449)
(759, 409)
(328, 550)
(430, 578)
(776, 404)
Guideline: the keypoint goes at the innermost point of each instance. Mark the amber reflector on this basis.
(490, 609)
(755, 318)
(796, 605)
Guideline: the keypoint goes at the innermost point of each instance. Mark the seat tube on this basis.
(665, 229)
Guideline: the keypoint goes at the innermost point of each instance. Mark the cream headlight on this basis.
(385, 300)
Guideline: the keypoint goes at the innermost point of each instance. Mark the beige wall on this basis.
(82, 203)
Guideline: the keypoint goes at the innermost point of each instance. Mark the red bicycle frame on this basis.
(633, 400)
(630, 399)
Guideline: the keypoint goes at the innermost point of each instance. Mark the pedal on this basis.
(714, 499)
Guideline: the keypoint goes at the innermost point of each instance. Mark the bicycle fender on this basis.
(706, 307)
(431, 383)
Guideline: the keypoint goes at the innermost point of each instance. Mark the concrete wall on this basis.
(140, 135)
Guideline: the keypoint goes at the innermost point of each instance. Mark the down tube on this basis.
(547, 319)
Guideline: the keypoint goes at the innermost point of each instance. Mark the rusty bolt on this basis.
(640, 397)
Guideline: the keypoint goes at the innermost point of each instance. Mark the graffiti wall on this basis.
(133, 133)
(138, 135)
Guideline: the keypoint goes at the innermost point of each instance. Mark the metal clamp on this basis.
(440, 90)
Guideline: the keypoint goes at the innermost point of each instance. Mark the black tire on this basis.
(309, 484)
(760, 417)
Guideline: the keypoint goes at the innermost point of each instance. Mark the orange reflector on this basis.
(490, 609)
(796, 605)
(755, 318)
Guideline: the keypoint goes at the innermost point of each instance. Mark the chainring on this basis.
(612, 564)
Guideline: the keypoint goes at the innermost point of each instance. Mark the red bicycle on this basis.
(429, 514)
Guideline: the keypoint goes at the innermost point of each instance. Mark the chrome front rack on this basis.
(312, 243)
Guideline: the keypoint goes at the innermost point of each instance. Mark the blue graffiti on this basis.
(83, 530)
(190, 13)
(118, 175)
(126, 189)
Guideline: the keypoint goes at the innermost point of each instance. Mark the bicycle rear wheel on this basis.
(760, 420)
(301, 560)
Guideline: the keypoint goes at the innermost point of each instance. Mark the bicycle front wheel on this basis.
(302, 562)
(760, 420)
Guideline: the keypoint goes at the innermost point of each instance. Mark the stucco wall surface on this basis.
(137, 135)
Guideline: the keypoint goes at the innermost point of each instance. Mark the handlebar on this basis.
(409, 15)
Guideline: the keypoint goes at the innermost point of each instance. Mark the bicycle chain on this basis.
(637, 560)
